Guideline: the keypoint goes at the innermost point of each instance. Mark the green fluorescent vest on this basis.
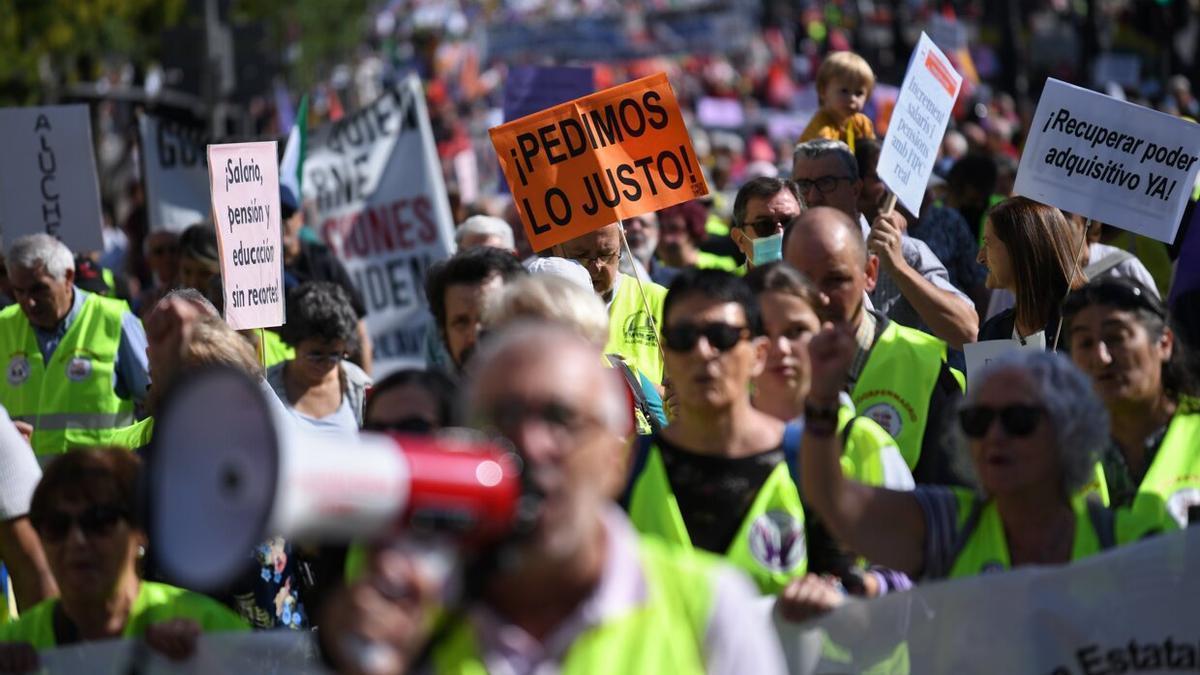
(896, 384)
(135, 436)
(712, 261)
(986, 549)
(664, 635)
(769, 546)
(1173, 480)
(70, 402)
(274, 349)
(155, 603)
(630, 332)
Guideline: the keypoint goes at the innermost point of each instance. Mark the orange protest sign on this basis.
(611, 155)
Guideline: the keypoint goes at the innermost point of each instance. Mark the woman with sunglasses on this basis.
(1117, 332)
(324, 391)
(1031, 250)
(1032, 428)
(85, 511)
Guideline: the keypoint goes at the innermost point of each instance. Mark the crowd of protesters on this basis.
(763, 395)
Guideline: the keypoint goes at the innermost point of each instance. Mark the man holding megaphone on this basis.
(581, 591)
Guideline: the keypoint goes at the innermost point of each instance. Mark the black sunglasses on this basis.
(96, 521)
(1016, 420)
(1119, 293)
(683, 337)
(766, 227)
(407, 425)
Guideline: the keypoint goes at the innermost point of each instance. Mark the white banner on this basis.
(176, 173)
(1111, 161)
(376, 186)
(48, 176)
(291, 652)
(1131, 610)
(919, 120)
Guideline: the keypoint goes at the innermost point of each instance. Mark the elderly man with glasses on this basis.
(633, 333)
(914, 287)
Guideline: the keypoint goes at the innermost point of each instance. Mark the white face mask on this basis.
(767, 249)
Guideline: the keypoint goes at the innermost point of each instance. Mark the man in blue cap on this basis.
(306, 260)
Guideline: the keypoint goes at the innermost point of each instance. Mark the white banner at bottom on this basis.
(290, 652)
(1131, 610)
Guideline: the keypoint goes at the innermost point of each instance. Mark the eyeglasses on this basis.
(96, 521)
(1016, 420)
(766, 227)
(597, 259)
(683, 337)
(824, 184)
(557, 415)
(324, 357)
(407, 425)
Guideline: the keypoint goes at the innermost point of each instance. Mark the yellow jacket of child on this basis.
(823, 125)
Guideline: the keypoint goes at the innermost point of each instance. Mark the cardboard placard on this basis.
(244, 180)
(48, 176)
(174, 163)
(1111, 161)
(611, 155)
(917, 124)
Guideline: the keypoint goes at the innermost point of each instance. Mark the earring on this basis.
(141, 552)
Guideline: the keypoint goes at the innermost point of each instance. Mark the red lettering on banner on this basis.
(400, 225)
(940, 71)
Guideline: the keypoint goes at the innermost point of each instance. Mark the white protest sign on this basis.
(918, 122)
(48, 176)
(175, 167)
(1111, 161)
(376, 187)
(980, 354)
(1129, 610)
(245, 203)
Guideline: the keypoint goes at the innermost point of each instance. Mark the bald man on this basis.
(631, 333)
(899, 377)
(581, 590)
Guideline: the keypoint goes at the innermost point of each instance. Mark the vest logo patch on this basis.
(79, 368)
(887, 416)
(1179, 503)
(18, 370)
(637, 330)
(777, 541)
(992, 566)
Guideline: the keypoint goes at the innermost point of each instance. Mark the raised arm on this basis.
(950, 316)
(886, 526)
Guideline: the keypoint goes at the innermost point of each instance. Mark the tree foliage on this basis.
(45, 44)
(317, 34)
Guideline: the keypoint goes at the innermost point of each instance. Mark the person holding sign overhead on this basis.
(912, 287)
(1029, 250)
(633, 334)
(1116, 330)
(76, 361)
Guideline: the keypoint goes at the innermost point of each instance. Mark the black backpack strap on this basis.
(1104, 522)
(635, 388)
(637, 463)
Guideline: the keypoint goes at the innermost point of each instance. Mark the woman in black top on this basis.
(1030, 249)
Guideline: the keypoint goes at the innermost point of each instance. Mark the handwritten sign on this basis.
(611, 155)
(176, 171)
(375, 184)
(244, 180)
(918, 123)
(48, 176)
(1111, 161)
